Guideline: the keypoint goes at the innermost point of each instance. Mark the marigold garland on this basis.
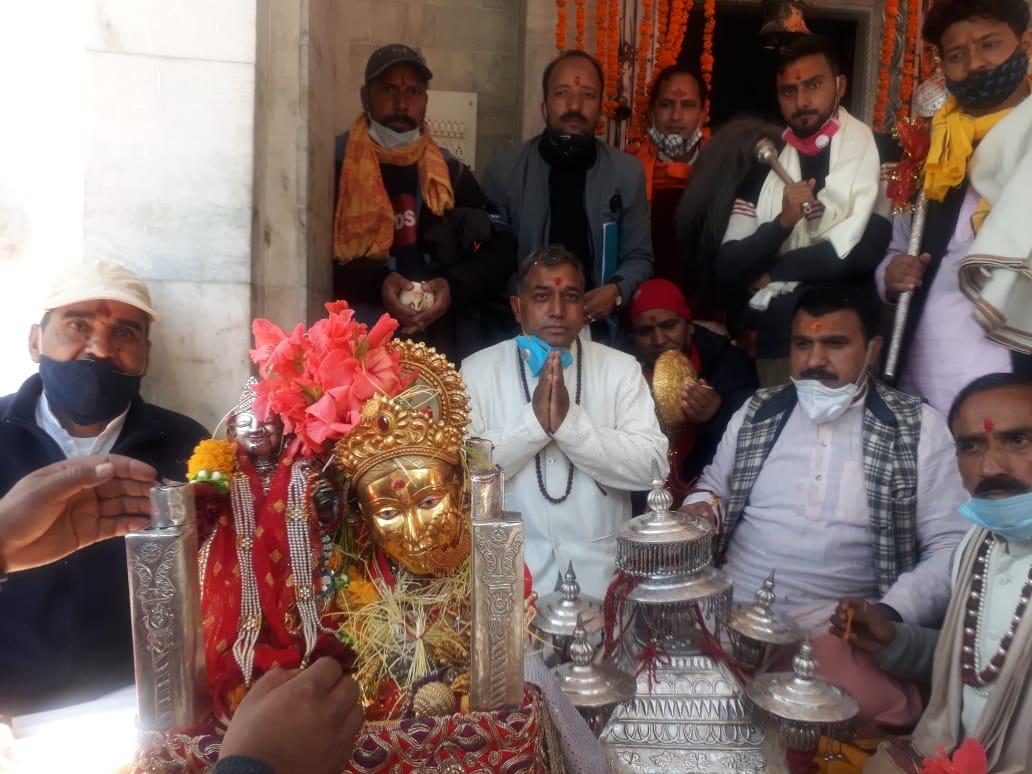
(580, 19)
(706, 60)
(881, 99)
(560, 24)
(907, 84)
(613, 59)
(602, 54)
(212, 462)
(662, 36)
(641, 97)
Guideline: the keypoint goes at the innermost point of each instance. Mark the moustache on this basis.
(819, 374)
(802, 113)
(999, 485)
(574, 115)
(409, 121)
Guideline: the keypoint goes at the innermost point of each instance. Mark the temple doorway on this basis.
(743, 76)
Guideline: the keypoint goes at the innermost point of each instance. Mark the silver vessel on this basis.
(688, 714)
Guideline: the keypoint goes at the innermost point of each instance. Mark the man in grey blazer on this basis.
(567, 187)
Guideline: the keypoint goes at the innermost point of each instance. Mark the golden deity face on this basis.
(413, 507)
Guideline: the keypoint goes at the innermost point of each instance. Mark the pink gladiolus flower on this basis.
(318, 380)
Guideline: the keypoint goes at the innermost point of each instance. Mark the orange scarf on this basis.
(363, 225)
(954, 134)
(661, 175)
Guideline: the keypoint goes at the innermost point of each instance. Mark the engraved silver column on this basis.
(497, 635)
(164, 594)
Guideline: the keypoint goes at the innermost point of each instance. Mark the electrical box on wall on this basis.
(452, 116)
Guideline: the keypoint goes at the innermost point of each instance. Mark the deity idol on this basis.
(273, 524)
(412, 543)
(286, 579)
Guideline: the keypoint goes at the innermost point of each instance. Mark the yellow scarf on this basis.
(954, 134)
(363, 224)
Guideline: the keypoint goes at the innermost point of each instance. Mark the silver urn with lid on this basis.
(688, 714)
(559, 614)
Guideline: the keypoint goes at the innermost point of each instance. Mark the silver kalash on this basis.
(689, 714)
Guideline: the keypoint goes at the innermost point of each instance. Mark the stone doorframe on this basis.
(868, 15)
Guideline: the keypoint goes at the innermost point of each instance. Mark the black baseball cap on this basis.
(395, 53)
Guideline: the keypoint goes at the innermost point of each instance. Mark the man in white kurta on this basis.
(570, 460)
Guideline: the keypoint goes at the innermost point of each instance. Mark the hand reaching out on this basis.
(863, 625)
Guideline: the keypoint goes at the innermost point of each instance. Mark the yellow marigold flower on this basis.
(359, 592)
(212, 456)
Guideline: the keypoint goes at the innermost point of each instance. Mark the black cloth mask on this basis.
(87, 392)
(568, 151)
(986, 88)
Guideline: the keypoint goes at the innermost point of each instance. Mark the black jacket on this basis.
(470, 247)
(732, 374)
(65, 632)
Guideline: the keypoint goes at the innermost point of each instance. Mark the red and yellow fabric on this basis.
(281, 641)
(363, 224)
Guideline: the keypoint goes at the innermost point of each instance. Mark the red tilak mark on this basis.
(987, 423)
(816, 327)
(398, 484)
(103, 310)
(798, 77)
(557, 281)
(576, 80)
(679, 92)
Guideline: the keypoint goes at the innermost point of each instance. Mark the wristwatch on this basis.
(619, 298)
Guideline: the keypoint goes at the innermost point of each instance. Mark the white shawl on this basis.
(849, 194)
(996, 275)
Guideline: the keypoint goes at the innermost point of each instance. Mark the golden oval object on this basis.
(672, 371)
(433, 699)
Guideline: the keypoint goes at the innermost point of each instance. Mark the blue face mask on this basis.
(1008, 517)
(535, 352)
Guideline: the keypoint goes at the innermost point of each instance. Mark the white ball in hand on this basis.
(418, 298)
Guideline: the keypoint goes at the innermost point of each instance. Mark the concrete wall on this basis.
(150, 139)
(470, 45)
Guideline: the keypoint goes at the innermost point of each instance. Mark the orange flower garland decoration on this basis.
(680, 13)
(579, 39)
(641, 98)
(602, 52)
(706, 60)
(881, 99)
(560, 24)
(906, 88)
(613, 59)
(662, 40)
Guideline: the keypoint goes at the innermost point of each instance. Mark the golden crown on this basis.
(428, 418)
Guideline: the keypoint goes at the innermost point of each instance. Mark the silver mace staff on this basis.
(899, 321)
(767, 153)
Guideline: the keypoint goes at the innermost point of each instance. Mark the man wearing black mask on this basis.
(976, 181)
(66, 635)
(567, 187)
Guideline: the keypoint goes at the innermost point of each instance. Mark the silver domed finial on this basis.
(805, 664)
(570, 588)
(581, 651)
(765, 595)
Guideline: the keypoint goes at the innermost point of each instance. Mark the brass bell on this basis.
(783, 22)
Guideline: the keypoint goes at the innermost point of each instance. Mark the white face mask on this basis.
(387, 138)
(826, 404)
